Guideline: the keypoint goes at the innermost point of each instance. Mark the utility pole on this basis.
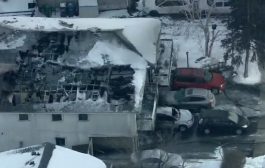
(187, 54)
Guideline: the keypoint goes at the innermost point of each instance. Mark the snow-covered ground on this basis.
(254, 76)
(189, 37)
(257, 162)
(207, 163)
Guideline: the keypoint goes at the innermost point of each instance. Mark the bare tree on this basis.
(203, 19)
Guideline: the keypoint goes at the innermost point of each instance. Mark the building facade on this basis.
(102, 4)
(65, 104)
(67, 129)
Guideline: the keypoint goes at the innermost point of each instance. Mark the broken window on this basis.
(60, 141)
(82, 117)
(227, 3)
(219, 4)
(50, 98)
(23, 117)
(56, 117)
(31, 5)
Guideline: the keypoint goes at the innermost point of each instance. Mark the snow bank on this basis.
(66, 158)
(12, 42)
(254, 75)
(257, 162)
(141, 33)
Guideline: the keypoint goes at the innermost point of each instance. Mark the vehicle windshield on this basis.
(233, 117)
(208, 76)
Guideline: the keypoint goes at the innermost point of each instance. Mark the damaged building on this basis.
(77, 82)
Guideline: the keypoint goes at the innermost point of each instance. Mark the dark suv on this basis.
(222, 121)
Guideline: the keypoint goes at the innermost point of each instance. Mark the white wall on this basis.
(15, 5)
(40, 128)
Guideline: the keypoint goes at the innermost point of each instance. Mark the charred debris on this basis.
(41, 78)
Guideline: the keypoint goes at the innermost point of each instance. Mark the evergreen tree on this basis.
(259, 33)
(240, 38)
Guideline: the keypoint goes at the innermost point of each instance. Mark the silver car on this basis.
(170, 118)
(191, 98)
(156, 158)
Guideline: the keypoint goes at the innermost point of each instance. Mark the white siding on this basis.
(40, 128)
(14, 5)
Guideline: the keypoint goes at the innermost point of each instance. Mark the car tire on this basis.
(153, 13)
(239, 131)
(206, 131)
(183, 128)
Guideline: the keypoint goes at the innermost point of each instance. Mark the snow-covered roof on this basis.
(141, 33)
(88, 2)
(63, 157)
(14, 5)
(59, 157)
